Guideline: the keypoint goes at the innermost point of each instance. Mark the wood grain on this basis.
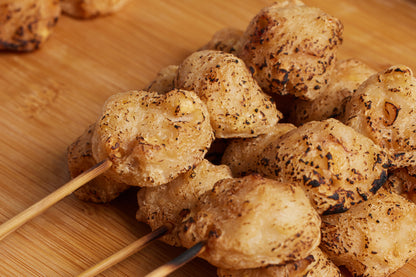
(50, 96)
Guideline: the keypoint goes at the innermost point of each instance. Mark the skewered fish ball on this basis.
(102, 189)
(241, 155)
(337, 166)
(236, 104)
(315, 264)
(347, 76)
(251, 222)
(374, 238)
(166, 204)
(291, 48)
(383, 109)
(152, 138)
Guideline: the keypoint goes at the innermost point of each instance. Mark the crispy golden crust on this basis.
(231, 218)
(291, 48)
(226, 40)
(347, 76)
(383, 109)
(237, 105)
(165, 80)
(167, 204)
(374, 238)
(26, 24)
(152, 138)
(102, 189)
(316, 264)
(241, 155)
(91, 8)
(337, 166)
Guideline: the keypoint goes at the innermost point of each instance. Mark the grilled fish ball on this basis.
(291, 48)
(152, 138)
(102, 189)
(167, 204)
(241, 155)
(165, 80)
(383, 109)
(315, 264)
(337, 166)
(374, 238)
(252, 222)
(347, 76)
(26, 24)
(225, 40)
(236, 104)
(91, 8)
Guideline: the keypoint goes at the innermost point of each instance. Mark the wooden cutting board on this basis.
(50, 96)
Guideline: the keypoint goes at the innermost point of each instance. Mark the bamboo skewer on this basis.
(179, 261)
(125, 252)
(39, 207)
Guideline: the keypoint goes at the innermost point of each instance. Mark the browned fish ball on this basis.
(26, 24)
(337, 166)
(347, 76)
(290, 48)
(241, 155)
(252, 222)
(374, 238)
(316, 264)
(383, 109)
(102, 189)
(168, 204)
(236, 104)
(151, 138)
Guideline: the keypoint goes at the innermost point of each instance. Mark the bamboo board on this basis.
(50, 96)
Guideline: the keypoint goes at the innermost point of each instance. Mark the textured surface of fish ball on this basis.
(347, 76)
(315, 264)
(225, 40)
(291, 48)
(102, 189)
(91, 8)
(402, 181)
(374, 238)
(337, 166)
(165, 80)
(236, 104)
(168, 204)
(383, 109)
(152, 138)
(241, 155)
(252, 222)
(26, 25)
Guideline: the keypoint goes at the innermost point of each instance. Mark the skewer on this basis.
(125, 252)
(179, 261)
(40, 206)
